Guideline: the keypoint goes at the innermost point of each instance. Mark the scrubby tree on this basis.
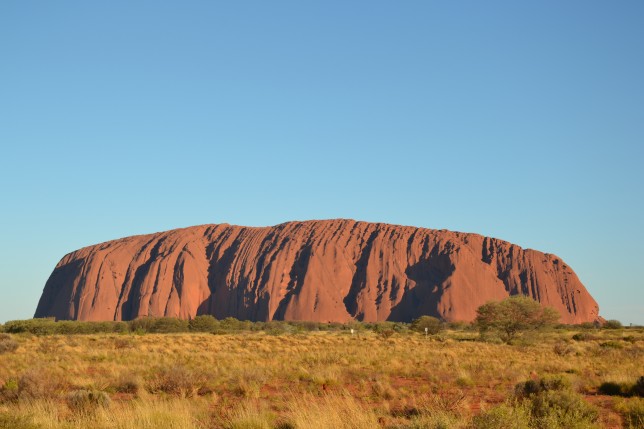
(433, 325)
(514, 315)
(612, 324)
(203, 323)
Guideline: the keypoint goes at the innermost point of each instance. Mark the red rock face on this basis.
(333, 270)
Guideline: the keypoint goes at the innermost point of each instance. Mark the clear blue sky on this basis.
(519, 120)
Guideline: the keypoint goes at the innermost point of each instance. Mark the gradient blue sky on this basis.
(519, 120)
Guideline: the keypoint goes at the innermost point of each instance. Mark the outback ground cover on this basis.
(569, 377)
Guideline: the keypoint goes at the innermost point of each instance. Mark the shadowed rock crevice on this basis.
(359, 280)
(425, 287)
(296, 282)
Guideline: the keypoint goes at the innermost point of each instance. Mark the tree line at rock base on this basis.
(506, 320)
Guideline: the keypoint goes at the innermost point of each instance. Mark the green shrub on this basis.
(232, 324)
(503, 416)
(49, 326)
(379, 327)
(428, 324)
(33, 326)
(514, 316)
(562, 409)
(159, 325)
(7, 344)
(533, 387)
(306, 325)
(552, 404)
(459, 326)
(203, 323)
(612, 324)
(612, 388)
(386, 333)
(632, 411)
(278, 328)
(583, 336)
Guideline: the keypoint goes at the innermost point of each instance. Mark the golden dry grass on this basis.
(309, 380)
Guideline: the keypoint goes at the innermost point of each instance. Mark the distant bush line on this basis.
(209, 324)
(205, 323)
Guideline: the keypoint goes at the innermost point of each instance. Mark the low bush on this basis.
(612, 324)
(583, 336)
(562, 409)
(562, 348)
(612, 388)
(534, 387)
(32, 326)
(123, 343)
(203, 323)
(232, 324)
(87, 401)
(589, 325)
(460, 326)
(386, 333)
(612, 345)
(38, 383)
(49, 326)
(545, 403)
(127, 383)
(638, 389)
(427, 324)
(7, 344)
(177, 380)
(503, 416)
(159, 325)
(632, 411)
(9, 391)
(306, 326)
(278, 328)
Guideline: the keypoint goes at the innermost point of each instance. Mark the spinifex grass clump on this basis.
(7, 344)
(544, 403)
(632, 411)
(87, 401)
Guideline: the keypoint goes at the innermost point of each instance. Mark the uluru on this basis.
(326, 271)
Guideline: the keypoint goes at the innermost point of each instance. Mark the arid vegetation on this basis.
(230, 374)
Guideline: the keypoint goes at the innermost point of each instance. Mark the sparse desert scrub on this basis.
(330, 411)
(200, 380)
(7, 344)
(632, 411)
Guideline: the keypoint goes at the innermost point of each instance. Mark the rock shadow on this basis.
(424, 287)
